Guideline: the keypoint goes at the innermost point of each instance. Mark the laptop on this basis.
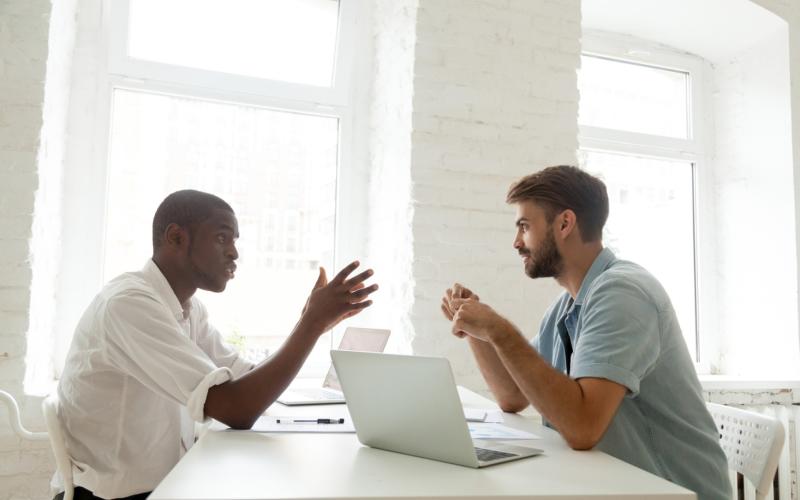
(354, 339)
(409, 404)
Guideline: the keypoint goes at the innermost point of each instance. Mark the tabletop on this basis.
(250, 465)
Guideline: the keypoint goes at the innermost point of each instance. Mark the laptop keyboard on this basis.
(485, 455)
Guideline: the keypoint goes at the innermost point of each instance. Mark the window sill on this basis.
(730, 382)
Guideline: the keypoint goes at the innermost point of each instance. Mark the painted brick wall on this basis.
(495, 98)
(25, 467)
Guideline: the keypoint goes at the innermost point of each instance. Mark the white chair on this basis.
(16, 421)
(54, 434)
(59, 444)
(752, 442)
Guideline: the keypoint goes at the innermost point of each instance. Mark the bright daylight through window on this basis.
(627, 110)
(274, 159)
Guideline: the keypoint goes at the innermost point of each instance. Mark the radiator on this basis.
(788, 487)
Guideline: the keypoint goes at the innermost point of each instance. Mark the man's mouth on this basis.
(231, 271)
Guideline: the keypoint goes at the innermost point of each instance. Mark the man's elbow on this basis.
(512, 405)
(238, 423)
(583, 440)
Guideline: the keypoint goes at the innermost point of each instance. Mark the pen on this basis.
(309, 421)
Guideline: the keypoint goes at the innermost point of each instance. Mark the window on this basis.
(247, 99)
(640, 132)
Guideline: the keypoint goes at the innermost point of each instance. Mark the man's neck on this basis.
(577, 265)
(181, 286)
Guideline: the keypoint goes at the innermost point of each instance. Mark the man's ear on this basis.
(175, 236)
(567, 223)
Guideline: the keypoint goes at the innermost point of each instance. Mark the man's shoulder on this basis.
(127, 287)
(627, 279)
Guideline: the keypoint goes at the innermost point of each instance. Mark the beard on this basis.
(545, 261)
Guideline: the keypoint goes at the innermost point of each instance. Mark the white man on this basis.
(609, 368)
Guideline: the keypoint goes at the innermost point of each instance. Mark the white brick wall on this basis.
(25, 467)
(495, 98)
(753, 178)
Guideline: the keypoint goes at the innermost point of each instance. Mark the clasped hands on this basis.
(471, 317)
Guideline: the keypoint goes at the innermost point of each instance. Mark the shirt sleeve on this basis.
(211, 342)
(146, 342)
(620, 339)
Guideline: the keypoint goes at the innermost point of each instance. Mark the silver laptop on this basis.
(409, 404)
(354, 339)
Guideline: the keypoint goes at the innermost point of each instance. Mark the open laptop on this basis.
(409, 404)
(354, 339)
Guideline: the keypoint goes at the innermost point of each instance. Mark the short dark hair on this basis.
(565, 187)
(184, 208)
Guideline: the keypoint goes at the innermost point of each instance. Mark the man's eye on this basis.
(221, 238)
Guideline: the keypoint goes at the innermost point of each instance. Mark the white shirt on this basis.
(137, 374)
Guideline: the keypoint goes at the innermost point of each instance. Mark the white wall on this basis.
(756, 268)
(25, 467)
(495, 98)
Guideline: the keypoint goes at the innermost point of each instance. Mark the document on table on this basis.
(481, 415)
(483, 430)
(270, 424)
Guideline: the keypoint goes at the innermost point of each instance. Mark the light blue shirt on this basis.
(623, 328)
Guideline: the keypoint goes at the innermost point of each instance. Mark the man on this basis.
(609, 368)
(145, 363)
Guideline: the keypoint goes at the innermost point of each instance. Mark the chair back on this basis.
(59, 444)
(752, 443)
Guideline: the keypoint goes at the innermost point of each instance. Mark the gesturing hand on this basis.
(330, 303)
(458, 291)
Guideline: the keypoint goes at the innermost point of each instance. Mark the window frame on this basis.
(693, 149)
(85, 180)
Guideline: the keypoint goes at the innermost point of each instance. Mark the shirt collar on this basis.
(156, 278)
(600, 264)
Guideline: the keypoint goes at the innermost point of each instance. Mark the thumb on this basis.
(322, 280)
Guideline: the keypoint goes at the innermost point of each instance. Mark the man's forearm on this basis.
(238, 403)
(505, 390)
(556, 396)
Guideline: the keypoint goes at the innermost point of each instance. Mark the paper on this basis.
(481, 415)
(269, 424)
(483, 430)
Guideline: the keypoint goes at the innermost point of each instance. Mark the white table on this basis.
(247, 465)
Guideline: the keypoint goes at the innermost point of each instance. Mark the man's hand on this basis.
(477, 320)
(458, 291)
(330, 303)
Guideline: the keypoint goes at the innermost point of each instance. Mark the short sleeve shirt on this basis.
(623, 328)
(135, 378)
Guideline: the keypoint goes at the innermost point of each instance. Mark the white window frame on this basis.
(85, 181)
(694, 149)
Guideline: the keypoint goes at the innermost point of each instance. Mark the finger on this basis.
(360, 294)
(322, 279)
(456, 304)
(358, 306)
(344, 273)
(357, 287)
(449, 294)
(358, 279)
(447, 307)
(459, 291)
(447, 313)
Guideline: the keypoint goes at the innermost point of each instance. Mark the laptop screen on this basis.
(357, 339)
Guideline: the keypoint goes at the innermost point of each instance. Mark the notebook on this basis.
(409, 404)
(354, 339)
